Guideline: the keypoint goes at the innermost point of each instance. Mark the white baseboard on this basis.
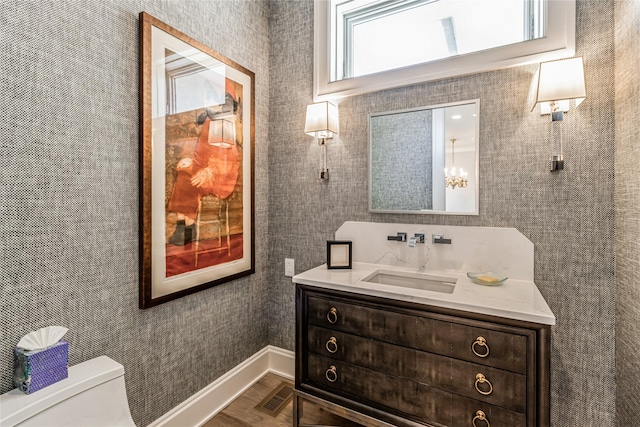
(206, 403)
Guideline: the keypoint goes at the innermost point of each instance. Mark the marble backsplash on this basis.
(504, 251)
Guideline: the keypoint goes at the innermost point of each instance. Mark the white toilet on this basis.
(94, 395)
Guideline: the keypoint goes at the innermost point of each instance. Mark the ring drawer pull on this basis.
(482, 417)
(480, 342)
(332, 345)
(331, 374)
(480, 379)
(332, 315)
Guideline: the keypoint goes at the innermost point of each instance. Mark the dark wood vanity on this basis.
(380, 362)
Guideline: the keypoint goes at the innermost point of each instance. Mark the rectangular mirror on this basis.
(425, 160)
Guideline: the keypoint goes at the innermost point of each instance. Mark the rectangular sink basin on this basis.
(406, 279)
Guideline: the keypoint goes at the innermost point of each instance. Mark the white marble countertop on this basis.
(515, 299)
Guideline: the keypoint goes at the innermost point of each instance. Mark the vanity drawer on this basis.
(504, 350)
(396, 395)
(405, 397)
(476, 381)
(362, 320)
(471, 413)
(440, 334)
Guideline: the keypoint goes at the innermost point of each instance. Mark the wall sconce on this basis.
(558, 83)
(322, 122)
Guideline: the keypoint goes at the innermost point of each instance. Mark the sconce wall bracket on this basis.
(556, 163)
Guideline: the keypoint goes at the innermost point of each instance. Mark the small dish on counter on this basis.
(487, 278)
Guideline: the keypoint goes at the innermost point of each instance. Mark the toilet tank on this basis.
(94, 394)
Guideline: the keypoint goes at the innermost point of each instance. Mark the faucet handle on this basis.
(439, 238)
(400, 237)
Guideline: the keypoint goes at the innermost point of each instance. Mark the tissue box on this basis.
(37, 369)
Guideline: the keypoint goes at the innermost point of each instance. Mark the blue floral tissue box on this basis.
(36, 369)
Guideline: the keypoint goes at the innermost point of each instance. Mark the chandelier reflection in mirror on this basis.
(452, 180)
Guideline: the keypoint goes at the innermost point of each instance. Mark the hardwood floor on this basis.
(242, 411)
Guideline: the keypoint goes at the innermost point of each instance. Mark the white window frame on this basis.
(559, 42)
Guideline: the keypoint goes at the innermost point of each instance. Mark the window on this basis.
(367, 45)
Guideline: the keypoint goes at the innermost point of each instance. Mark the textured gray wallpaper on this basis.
(402, 161)
(69, 195)
(627, 13)
(569, 216)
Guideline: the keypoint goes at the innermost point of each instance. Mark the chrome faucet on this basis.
(400, 237)
(417, 238)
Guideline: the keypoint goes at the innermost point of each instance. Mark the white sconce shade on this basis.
(559, 82)
(321, 120)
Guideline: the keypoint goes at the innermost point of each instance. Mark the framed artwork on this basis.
(338, 254)
(197, 165)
